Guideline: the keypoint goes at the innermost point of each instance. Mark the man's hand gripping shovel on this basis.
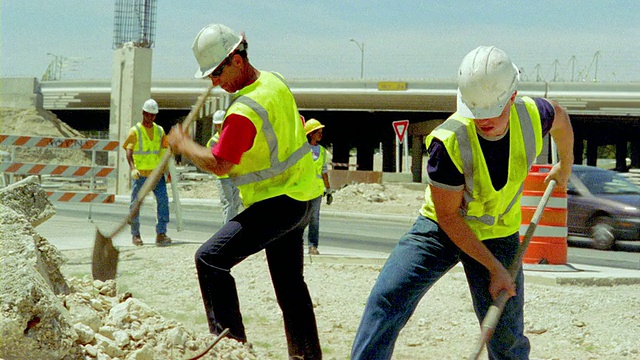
(490, 320)
(105, 256)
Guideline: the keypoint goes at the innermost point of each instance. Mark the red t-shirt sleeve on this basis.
(238, 133)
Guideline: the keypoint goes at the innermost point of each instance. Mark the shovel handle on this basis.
(490, 321)
(159, 170)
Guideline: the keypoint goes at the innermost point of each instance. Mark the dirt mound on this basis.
(33, 122)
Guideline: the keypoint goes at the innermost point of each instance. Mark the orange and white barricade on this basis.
(549, 242)
(93, 172)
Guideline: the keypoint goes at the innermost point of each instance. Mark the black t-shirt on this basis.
(441, 169)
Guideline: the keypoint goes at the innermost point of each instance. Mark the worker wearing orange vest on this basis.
(144, 146)
(313, 129)
(264, 150)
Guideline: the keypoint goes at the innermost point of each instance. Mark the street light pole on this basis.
(361, 47)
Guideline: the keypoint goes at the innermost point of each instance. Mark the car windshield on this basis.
(607, 183)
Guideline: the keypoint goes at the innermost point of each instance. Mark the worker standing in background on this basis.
(144, 146)
(478, 161)
(313, 129)
(264, 150)
(229, 194)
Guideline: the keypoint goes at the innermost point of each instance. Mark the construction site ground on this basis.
(585, 314)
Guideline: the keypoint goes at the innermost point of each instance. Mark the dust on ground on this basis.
(562, 321)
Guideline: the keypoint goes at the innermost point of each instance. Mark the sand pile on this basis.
(32, 122)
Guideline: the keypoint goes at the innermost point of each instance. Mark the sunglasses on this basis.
(218, 71)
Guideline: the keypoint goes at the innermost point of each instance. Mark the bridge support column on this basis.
(635, 153)
(592, 152)
(130, 88)
(621, 156)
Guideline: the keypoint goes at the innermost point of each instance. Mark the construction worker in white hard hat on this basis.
(313, 129)
(228, 193)
(264, 150)
(144, 147)
(478, 161)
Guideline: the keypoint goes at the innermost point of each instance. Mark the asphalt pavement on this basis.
(78, 231)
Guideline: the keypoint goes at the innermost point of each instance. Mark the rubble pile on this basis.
(377, 193)
(45, 316)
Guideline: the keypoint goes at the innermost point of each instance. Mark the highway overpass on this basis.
(359, 113)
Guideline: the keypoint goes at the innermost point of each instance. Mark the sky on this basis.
(550, 40)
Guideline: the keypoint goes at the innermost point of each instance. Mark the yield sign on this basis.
(400, 127)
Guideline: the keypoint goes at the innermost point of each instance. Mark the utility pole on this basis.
(361, 47)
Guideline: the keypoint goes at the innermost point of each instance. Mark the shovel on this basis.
(105, 256)
(490, 320)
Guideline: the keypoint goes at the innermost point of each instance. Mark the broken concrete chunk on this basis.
(29, 199)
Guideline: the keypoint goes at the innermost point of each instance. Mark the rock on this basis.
(27, 198)
(85, 333)
(34, 324)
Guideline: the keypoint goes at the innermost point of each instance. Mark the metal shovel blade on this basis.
(104, 264)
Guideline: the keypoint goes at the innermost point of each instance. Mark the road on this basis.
(74, 226)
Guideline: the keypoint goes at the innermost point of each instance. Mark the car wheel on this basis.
(602, 233)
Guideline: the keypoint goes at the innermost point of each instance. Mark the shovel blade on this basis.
(105, 258)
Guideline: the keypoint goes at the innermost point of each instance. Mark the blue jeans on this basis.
(421, 257)
(229, 199)
(162, 210)
(314, 224)
(277, 226)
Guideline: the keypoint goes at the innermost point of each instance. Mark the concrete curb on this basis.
(191, 203)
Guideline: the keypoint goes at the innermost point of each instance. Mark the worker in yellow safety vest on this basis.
(478, 161)
(264, 151)
(144, 147)
(313, 129)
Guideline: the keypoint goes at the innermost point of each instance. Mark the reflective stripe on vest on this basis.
(277, 167)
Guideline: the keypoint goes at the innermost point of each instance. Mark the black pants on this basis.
(276, 225)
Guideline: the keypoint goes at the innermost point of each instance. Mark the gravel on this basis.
(562, 321)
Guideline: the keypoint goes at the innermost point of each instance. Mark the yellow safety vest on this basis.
(147, 153)
(280, 161)
(319, 164)
(489, 213)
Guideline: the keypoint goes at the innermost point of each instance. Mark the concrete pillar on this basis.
(592, 152)
(578, 149)
(130, 88)
(621, 156)
(635, 153)
(389, 154)
(364, 157)
(417, 153)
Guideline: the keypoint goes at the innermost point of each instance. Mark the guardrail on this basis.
(9, 168)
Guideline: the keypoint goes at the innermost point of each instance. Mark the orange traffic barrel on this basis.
(549, 242)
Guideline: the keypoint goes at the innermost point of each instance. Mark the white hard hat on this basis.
(218, 117)
(212, 45)
(486, 80)
(150, 106)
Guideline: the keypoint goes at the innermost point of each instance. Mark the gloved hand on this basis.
(328, 192)
(135, 174)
